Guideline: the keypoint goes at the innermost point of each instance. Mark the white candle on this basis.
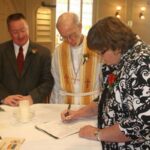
(24, 111)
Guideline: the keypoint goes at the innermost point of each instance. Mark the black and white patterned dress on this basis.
(128, 102)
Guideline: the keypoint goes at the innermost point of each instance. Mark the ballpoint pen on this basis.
(69, 107)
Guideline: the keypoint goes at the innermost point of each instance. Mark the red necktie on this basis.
(20, 60)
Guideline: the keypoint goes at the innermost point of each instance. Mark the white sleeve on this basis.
(56, 75)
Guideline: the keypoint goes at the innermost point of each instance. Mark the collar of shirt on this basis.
(25, 48)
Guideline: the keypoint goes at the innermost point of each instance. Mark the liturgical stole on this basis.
(87, 72)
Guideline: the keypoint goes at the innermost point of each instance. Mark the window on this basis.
(43, 25)
(83, 8)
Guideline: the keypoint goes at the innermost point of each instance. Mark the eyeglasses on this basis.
(101, 51)
(70, 36)
(72, 33)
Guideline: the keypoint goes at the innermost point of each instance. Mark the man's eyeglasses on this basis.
(68, 37)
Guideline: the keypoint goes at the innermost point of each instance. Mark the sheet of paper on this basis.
(59, 129)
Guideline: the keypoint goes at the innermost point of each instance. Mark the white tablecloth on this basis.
(37, 140)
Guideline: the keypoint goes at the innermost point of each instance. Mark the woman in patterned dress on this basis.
(124, 108)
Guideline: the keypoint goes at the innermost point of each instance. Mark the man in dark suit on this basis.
(26, 76)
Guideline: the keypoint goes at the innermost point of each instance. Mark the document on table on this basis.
(58, 129)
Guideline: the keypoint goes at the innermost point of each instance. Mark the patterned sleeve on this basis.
(137, 100)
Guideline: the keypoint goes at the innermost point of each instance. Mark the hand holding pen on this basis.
(68, 109)
(66, 114)
(69, 115)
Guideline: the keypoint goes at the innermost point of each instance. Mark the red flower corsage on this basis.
(111, 80)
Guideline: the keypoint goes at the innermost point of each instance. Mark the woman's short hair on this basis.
(110, 33)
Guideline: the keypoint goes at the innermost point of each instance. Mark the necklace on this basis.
(77, 55)
(76, 71)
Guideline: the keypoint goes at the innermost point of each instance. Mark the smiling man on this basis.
(24, 66)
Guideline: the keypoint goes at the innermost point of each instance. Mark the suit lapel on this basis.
(29, 58)
(31, 53)
(10, 52)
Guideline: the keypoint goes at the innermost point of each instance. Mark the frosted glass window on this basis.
(43, 25)
(87, 15)
(61, 7)
(75, 6)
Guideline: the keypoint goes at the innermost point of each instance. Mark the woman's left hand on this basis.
(88, 132)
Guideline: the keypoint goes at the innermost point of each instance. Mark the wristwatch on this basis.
(2, 101)
(97, 134)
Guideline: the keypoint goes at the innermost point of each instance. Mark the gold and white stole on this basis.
(87, 73)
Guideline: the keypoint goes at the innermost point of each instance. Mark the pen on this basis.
(14, 146)
(67, 113)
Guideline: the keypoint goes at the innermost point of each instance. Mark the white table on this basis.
(37, 140)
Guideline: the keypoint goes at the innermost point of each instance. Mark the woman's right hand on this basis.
(71, 115)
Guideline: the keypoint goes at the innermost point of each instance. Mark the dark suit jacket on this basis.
(36, 79)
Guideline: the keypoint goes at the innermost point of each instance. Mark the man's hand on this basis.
(13, 100)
